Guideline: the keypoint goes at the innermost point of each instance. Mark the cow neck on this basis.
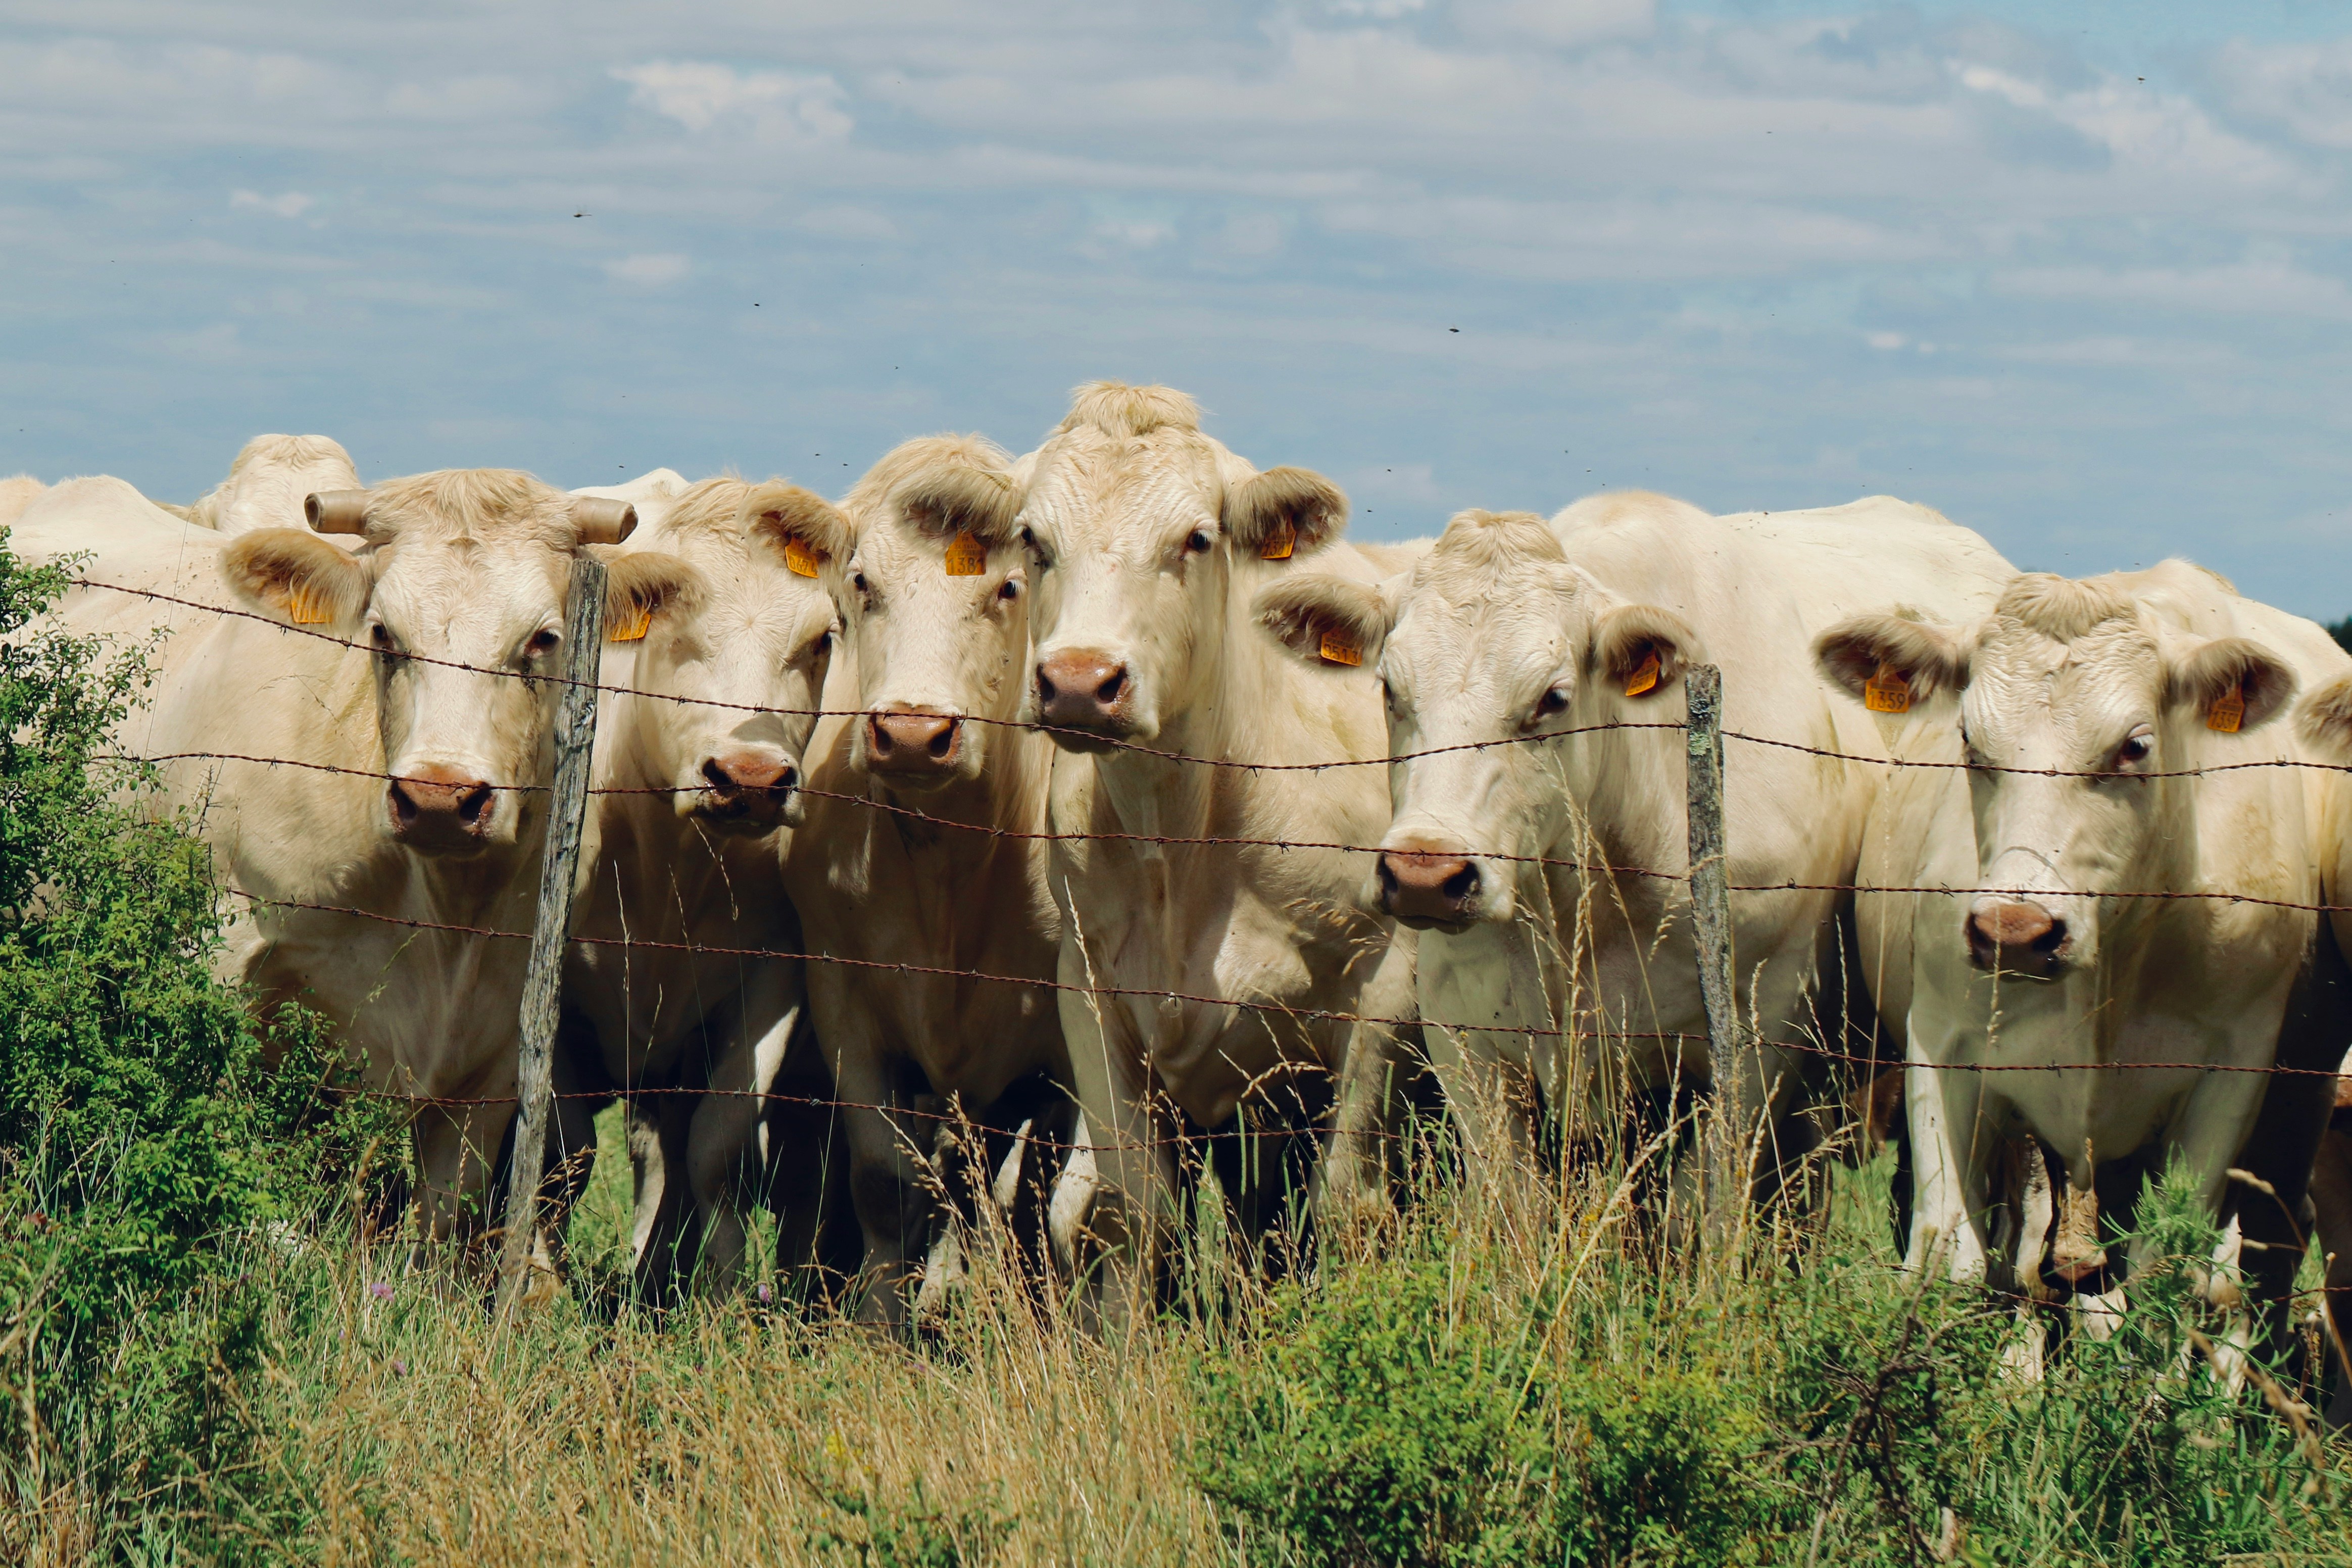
(1615, 778)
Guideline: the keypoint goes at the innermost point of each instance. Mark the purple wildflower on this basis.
(380, 1290)
(763, 1293)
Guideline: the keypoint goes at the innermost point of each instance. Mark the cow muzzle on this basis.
(912, 747)
(442, 810)
(1439, 888)
(750, 789)
(2012, 936)
(1087, 691)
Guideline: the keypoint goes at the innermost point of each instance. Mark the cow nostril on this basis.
(716, 776)
(475, 805)
(789, 779)
(2051, 940)
(404, 806)
(943, 742)
(1046, 690)
(1460, 885)
(1108, 692)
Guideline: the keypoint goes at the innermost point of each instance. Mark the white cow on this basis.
(16, 493)
(716, 677)
(1540, 835)
(912, 852)
(270, 481)
(394, 806)
(1203, 975)
(2078, 713)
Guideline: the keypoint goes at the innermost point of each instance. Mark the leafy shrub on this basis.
(143, 1143)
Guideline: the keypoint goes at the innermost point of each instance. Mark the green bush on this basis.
(144, 1145)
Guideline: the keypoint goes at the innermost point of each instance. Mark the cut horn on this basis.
(603, 521)
(337, 512)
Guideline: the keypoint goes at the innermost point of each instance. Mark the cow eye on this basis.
(858, 581)
(381, 636)
(1009, 589)
(1197, 542)
(1551, 702)
(2136, 748)
(542, 642)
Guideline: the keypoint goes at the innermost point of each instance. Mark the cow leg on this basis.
(805, 1144)
(1490, 1094)
(2331, 1202)
(1351, 1184)
(456, 1148)
(886, 1175)
(723, 1156)
(1130, 1146)
(662, 1229)
(1949, 1190)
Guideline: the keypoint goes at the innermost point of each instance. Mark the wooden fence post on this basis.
(575, 739)
(1726, 1160)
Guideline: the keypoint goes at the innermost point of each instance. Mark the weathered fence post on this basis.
(575, 737)
(1726, 1160)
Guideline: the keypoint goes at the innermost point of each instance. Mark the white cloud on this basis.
(1563, 23)
(291, 203)
(2305, 87)
(2258, 286)
(773, 105)
(651, 272)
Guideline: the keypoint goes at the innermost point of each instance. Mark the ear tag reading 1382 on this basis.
(2229, 712)
(799, 559)
(1888, 692)
(1645, 676)
(967, 557)
(631, 626)
(1279, 544)
(307, 607)
(1337, 648)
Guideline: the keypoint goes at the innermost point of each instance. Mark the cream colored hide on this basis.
(2074, 706)
(464, 567)
(268, 481)
(1146, 544)
(684, 849)
(905, 858)
(16, 495)
(1534, 673)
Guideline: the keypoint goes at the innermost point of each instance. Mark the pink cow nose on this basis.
(1429, 887)
(438, 807)
(741, 778)
(1083, 690)
(903, 742)
(2016, 938)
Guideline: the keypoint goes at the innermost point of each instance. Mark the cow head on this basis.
(935, 603)
(458, 592)
(1491, 651)
(2073, 700)
(728, 610)
(1135, 524)
(270, 481)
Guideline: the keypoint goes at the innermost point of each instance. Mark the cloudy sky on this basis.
(2085, 284)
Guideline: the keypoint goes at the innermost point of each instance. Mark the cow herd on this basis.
(1110, 797)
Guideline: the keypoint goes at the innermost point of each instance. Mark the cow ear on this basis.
(2324, 718)
(2232, 683)
(1639, 649)
(1283, 512)
(640, 585)
(298, 574)
(1923, 659)
(1327, 620)
(804, 529)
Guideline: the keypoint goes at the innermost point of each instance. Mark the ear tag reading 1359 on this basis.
(1334, 648)
(631, 626)
(1279, 544)
(306, 607)
(799, 559)
(967, 557)
(1888, 692)
(1645, 676)
(2229, 712)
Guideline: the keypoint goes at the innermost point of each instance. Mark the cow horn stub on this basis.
(603, 521)
(336, 511)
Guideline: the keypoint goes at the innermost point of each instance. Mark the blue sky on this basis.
(2078, 276)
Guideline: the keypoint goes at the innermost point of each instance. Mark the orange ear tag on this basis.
(307, 607)
(967, 557)
(2229, 712)
(631, 626)
(1888, 692)
(1279, 545)
(799, 559)
(1645, 676)
(1334, 648)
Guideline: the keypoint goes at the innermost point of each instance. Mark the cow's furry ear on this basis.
(294, 572)
(641, 584)
(2324, 718)
(1627, 638)
(1325, 619)
(2227, 667)
(1929, 658)
(1284, 511)
(777, 514)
